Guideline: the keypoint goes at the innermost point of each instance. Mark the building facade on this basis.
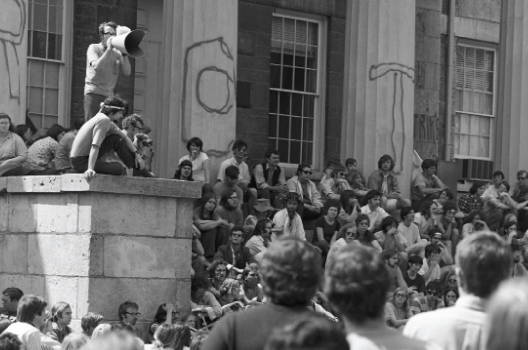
(315, 79)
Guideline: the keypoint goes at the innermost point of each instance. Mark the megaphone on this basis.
(128, 41)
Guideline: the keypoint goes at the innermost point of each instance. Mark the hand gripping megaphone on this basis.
(127, 41)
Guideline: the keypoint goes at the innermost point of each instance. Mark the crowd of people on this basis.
(282, 262)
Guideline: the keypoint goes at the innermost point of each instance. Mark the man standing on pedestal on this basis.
(103, 63)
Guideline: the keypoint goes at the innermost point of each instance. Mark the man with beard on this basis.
(431, 300)
(288, 220)
(103, 63)
(392, 260)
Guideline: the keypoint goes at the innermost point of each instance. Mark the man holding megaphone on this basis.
(104, 61)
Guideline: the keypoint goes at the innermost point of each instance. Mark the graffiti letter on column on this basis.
(398, 117)
(12, 28)
(212, 79)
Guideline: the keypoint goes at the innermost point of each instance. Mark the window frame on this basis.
(318, 148)
(475, 44)
(65, 66)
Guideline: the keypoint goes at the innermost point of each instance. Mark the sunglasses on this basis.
(432, 292)
(307, 172)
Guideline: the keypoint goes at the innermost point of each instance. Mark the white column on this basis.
(512, 109)
(199, 78)
(378, 100)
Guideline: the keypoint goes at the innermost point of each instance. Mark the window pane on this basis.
(37, 119)
(52, 101)
(474, 146)
(287, 60)
(274, 103)
(284, 127)
(307, 152)
(284, 103)
(299, 79)
(272, 125)
(311, 80)
(40, 18)
(55, 47)
(308, 129)
(272, 143)
(309, 104)
(275, 58)
(36, 73)
(35, 99)
(287, 78)
(275, 72)
(50, 120)
(295, 152)
(484, 147)
(39, 44)
(296, 128)
(52, 19)
(300, 61)
(485, 126)
(297, 104)
(284, 150)
(52, 75)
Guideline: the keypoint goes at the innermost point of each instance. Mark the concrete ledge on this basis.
(102, 183)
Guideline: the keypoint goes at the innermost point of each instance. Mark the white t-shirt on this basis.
(28, 335)
(411, 233)
(374, 216)
(198, 172)
(244, 170)
(293, 227)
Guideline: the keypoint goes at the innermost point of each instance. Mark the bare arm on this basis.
(125, 65)
(320, 234)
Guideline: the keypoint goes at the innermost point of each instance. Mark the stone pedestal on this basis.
(378, 100)
(95, 245)
(198, 79)
(512, 89)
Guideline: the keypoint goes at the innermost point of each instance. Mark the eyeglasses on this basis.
(307, 172)
(235, 197)
(452, 280)
(135, 314)
(236, 235)
(432, 292)
(401, 296)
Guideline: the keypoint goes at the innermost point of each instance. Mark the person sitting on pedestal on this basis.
(269, 180)
(98, 136)
(239, 155)
(385, 181)
(426, 186)
(307, 191)
(13, 150)
(62, 157)
(332, 187)
(184, 171)
(42, 153)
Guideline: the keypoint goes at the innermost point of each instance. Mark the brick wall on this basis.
(254, 44)
(88, 14)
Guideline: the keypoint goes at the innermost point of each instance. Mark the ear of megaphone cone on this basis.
(128, 43)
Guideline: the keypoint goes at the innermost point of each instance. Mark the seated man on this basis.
(310, 208)
(184, 171)
(447, 226)
(385, 181)
(430, 301)
(522, 179)
(239, 155)
(268, 178)
(287, 220)
(234, 253)
(392, 259)
(373, 210)
(426, 186)
(332, 187)
(229, 182)
(10, 298)
(412, 278)
(430, 270)
(62, 158)
(98, 136)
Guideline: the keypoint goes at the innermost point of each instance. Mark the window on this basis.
(474, 101)
(295, 87)
(47, 96)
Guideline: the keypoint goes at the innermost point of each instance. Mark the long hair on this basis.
(54, 131)
(405, 305)
(174, 336)
(345, 201)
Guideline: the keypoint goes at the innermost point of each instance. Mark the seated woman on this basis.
(327, 227)
(259, 242)
(448, 227)
(498, 205)
(25, 133)
(253, 294)
(349, 208)
(13, 150)
(356, 182)
(450, 296)
(208, 222)
(364, 236)
(184, 171)
(236, 255)
(397, 309)
(347, 235)
(202, 301)
(43, 151)
(475, 221)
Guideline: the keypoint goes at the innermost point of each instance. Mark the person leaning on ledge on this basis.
(99, 136)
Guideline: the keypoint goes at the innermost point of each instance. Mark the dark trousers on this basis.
(111, 143)
(92, 105)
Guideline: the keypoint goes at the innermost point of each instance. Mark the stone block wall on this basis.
(88, 14)
(69, 240)
(254, 48)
